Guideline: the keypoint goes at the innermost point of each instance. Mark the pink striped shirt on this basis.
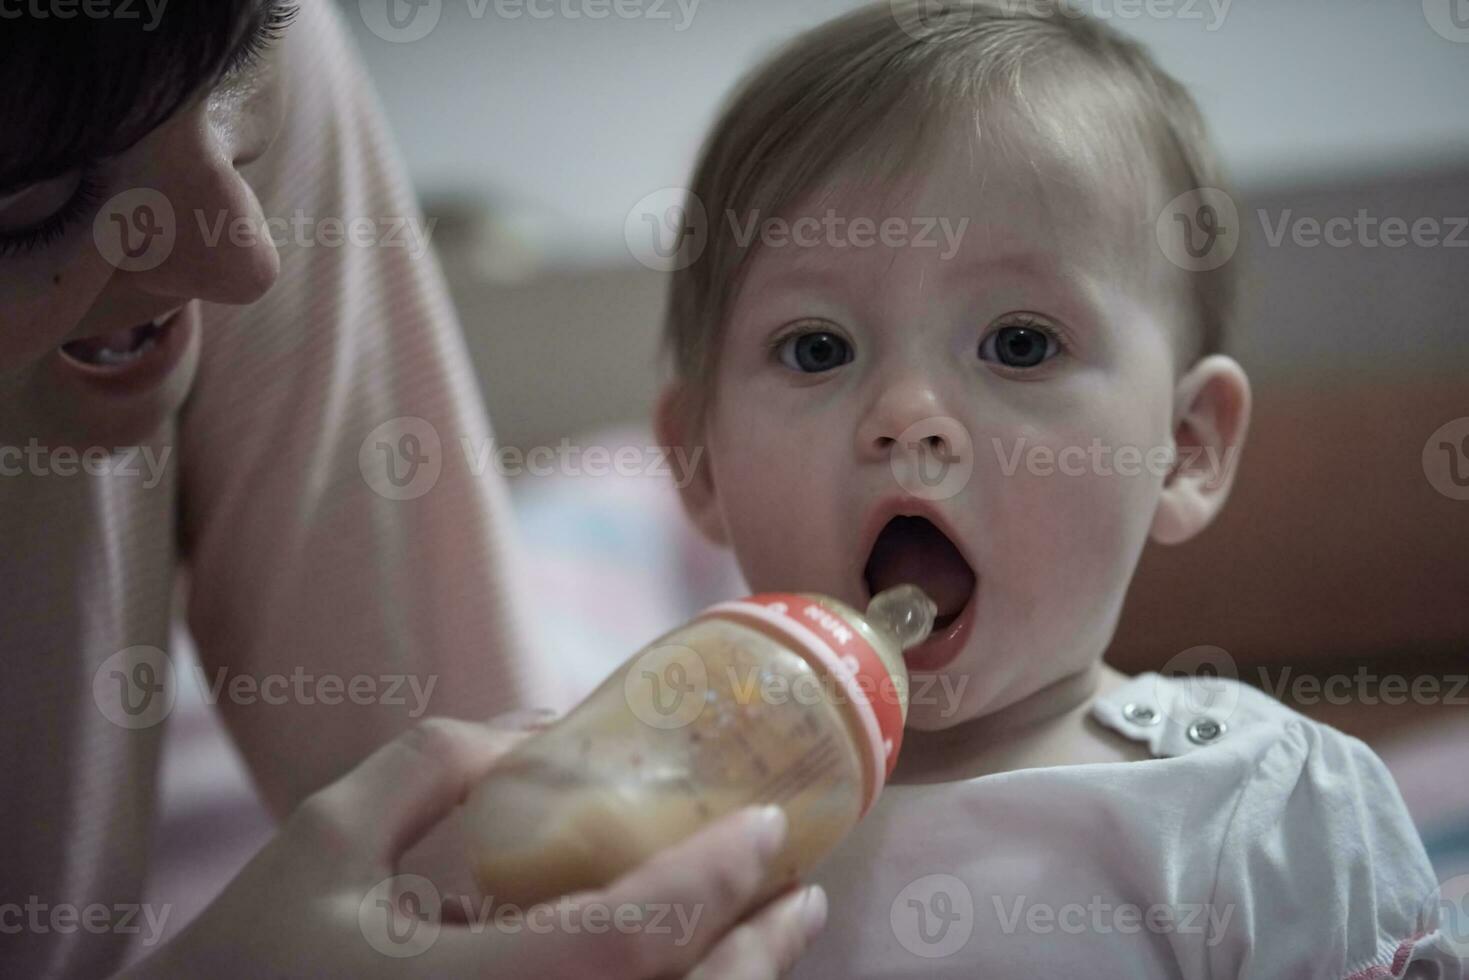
(263, 500)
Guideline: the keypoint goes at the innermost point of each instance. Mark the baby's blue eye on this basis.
(1018, 347)
(815, 352)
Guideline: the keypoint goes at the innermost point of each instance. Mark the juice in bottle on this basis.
(792, 699)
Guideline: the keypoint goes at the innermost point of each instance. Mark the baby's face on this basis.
(996, 380)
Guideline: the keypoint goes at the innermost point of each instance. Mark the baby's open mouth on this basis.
(913, 549)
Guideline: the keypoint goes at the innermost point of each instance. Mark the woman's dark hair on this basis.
(86, 86)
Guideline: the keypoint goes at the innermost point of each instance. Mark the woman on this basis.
(185, 387)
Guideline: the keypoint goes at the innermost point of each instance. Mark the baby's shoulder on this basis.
(1187, 714)
(1311, 839)
(1215, 721)
(1283, 768)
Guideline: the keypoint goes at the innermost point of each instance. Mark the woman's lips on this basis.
(115, 350)
(129, 361)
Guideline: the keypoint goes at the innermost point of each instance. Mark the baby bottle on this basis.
(792, 699)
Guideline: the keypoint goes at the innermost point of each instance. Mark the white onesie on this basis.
(1256, 843)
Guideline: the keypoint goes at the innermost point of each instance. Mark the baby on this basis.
(936, 327)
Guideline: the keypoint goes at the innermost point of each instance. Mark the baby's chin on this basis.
(968, 691)
(941, 700)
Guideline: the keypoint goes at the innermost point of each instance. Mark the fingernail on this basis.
(813, 912)
(769, 831)
(523, 718)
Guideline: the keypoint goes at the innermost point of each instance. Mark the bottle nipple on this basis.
(905, 611)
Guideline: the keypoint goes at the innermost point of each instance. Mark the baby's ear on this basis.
(673, 423)
(1211, 411)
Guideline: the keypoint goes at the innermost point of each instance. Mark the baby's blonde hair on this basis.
(875, 85)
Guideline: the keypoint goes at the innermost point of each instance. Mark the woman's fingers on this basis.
(767, 945)
(699, 889)
(525, 719)
(706, 883)
(680, 911)
(396, 794)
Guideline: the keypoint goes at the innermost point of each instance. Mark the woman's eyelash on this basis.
(89, 192)
(91, 187)
(278, 18)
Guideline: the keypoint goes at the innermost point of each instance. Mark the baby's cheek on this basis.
(766, 482)
(1071, 521)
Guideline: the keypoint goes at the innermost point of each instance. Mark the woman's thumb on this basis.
(398, 793)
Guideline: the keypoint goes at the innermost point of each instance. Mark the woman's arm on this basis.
(309, 584)
(322, 898)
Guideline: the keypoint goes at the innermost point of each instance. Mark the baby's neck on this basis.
(1052, 727)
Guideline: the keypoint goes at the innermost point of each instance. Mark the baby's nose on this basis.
(924, 434)
(909, 417)
(932, 459)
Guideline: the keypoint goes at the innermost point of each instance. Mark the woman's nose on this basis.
(223, 250)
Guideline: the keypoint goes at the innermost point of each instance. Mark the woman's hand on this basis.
(322, 898)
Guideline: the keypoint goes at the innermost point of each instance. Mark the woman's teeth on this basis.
(119, 346)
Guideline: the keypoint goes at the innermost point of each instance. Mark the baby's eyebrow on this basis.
(803, 275)
(1035, 265)
(820, 275)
